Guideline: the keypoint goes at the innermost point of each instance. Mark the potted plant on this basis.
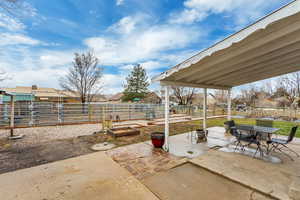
(158, 139)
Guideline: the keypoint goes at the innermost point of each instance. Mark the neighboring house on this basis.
(152, 98)
(18, 97)
(117, 98)
(99, 98)
(42, 94)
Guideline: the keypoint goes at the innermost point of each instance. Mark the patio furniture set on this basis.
(261, 136)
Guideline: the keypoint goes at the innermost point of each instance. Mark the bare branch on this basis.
(84, 77)
(183, 95)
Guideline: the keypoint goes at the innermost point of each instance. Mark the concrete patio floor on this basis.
(90, 177)
(189, 181)
(275, 180)
(278, 180)
(140, 171)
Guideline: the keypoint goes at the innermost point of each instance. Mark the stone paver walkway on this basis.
(142, 160)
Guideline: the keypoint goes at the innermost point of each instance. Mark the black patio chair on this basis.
(230, 124)
(249, 139)
(280, 144)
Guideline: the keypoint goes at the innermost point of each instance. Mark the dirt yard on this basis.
(35, 151)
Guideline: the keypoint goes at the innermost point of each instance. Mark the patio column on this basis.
(204, 108)
(167, 110)
(12, 115)
(229, 105)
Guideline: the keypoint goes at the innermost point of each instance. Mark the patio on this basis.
(186, 169)
(142, 160)
(265, 49)
(94, 176)
(123, 173)
(270, 178)
(262, 50)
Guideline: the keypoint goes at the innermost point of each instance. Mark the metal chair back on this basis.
(231, 127)
(292, 133)
(230, 123)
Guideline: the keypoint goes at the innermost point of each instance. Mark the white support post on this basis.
(204, 108)
(167, 110)
(229, 105)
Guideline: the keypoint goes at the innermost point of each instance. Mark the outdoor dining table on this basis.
(261, 132)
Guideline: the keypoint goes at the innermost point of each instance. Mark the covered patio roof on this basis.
(269, 47)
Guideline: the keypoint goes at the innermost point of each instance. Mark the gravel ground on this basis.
(37, 135)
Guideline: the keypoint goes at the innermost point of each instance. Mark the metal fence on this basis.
(27, 114)
(289, 114)
(40, 114)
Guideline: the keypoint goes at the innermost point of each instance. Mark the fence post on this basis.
(12, 115)
(129, 111)
(30, 107)
(90, 112)
(58, 113)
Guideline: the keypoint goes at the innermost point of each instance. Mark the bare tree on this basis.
(267, 87)
(84, 77)
(183, 95)
(250, 96)
(290, 84)
(220, 97)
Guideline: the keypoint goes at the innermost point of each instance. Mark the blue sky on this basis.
(37, 45)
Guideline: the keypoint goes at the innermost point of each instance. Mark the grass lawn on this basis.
(284, 126)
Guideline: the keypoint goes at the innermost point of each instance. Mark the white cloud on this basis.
(141, 45)
(129, 24)
(148, 65)
(56, 58)
(151, 65)
(119, 2)
(26, 66)
(10, 24)
(17, 39)
(136, 40)
(125, 26)
(187, 16)
(113, 83)
(45, 77)
(197, 10)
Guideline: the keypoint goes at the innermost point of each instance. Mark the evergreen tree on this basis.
(137, 84)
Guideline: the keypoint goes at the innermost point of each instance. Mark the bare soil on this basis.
(16, 155)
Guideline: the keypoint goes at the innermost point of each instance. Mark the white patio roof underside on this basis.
(265, 49)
